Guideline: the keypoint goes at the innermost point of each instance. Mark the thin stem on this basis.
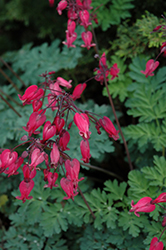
(113, 108)
(9, 97)
(10, 105)
(160, 206)
(14, 73)
(117, 121)
(94, 217)
(102, 170)
(9, 80)
(162, 233)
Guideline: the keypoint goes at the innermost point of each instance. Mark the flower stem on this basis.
(117, 121)
(14, 73)
(94, 217)
(10, 106)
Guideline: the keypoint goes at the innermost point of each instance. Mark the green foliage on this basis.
(30, 62)
(118, 86)
(132, 40)
(99, 144)
(111, 12)
(146, 26)
(147, 103)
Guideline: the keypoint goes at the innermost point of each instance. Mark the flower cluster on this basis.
(147, 205)
(78, 13)
(50, 148)
(151, 65)
(103, 71)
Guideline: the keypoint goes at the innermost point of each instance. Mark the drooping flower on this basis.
(84, 16)
(114, 71)
(78, 91)
(87, 38)
(12, 169)
(143, 205)
(36, 120)
(156, 244)
(51, 178)
(36, 104)
(67, 186)
(49, 131)
(163, 49)
(71, 25)
(37, 157)
(54, 155)
(51, 3)
(64, 83)
(160, 198)
(151, 65)
(31, 93)
(28, 173)
(72, 170)
(103, 70)
(157, 28)
(82, 123)
(59, 123)
(61, 6)
(8, 157)
(85, 151)
(25, 189)
(64, 140)
(109, 127)
(70, 39)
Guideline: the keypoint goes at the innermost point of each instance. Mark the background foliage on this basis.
(47, 222)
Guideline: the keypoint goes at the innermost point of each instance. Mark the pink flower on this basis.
(82, 122)
(70, 39)
(64, 83)
(55, 89)
(78, 91)
(37, 157)
(14, 166)
(85, 151)
(71, 25)
(61, 6)
(36, 120)
(67, 186)
(72, 170)
(51, 177)
(8, 157)
(31, 93)
(164, 221)
(160, 198)
(114, 71)
(109, 127)
(103, 70)
(28, 173)
(36, 104)
(51, 3)
(54, 155)
(84, 16)
(163, 49)
(143, 205)
(64, 140)
(87, 38)
(156, 245)
(151, 65)
(59, 123)
(49, 131)
(52, 101)
(157, 28)
(25, 189)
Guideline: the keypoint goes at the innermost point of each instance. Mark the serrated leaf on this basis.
(131, 222)
(116, 191)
